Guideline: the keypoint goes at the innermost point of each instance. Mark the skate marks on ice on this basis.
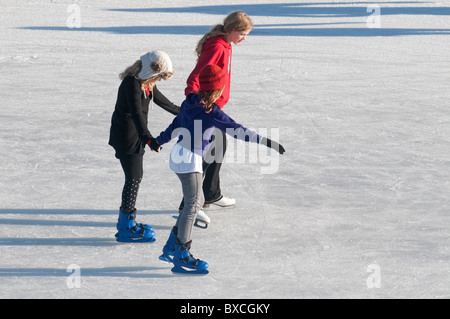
(326, 14)
(306, 10)
(59, 217)
(131, 272)
(31, 241)
(57, 223)
(298, 29)
(43, 242)
(90, 212)
(328, 17)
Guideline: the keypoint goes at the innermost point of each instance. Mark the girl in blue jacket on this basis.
(194, 125)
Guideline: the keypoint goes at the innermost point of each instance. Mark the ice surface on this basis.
(360, 198)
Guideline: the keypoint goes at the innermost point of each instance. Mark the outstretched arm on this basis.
(226, 124)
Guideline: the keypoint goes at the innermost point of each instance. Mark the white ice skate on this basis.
(224, 201)
(201, 220)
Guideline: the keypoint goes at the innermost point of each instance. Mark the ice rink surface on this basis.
(357, 207)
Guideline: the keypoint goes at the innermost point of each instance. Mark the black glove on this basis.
(272, 144)
(153, 144)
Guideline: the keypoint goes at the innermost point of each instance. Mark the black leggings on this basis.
(133, 169)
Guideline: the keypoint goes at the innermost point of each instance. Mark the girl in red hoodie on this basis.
(215, 49)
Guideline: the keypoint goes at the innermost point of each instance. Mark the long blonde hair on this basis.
(132, 70)
(235, 21)
(135, 68)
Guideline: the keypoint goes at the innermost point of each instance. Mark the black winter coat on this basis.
(129, 124)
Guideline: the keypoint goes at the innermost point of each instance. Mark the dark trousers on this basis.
(133, 169)
(212, 162)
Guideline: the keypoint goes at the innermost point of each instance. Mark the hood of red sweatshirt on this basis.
(217, 51)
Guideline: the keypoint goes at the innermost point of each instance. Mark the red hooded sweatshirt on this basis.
(215, 51)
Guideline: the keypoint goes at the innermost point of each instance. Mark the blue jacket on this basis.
(194, 126)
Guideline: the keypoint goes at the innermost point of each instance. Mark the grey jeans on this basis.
(193, 202)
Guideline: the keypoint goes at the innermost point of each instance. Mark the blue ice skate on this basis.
(169, 247)
(185, 263)
(130, 232)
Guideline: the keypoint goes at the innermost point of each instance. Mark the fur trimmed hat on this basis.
(156, 63)
(211, 78)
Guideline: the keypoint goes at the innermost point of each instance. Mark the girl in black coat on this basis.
(129, 133)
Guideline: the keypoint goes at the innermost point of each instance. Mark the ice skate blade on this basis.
(220, 204)
(125, 239)
(215, 208)
(146, 227)
(152, 235)
(166, 258)
(198, 223)
(201, 224)
(194, 272)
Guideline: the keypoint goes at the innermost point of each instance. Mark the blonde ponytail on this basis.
(235, 21)
(132, 70)
(214, 32)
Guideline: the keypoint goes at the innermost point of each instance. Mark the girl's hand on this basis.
(153, 144)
